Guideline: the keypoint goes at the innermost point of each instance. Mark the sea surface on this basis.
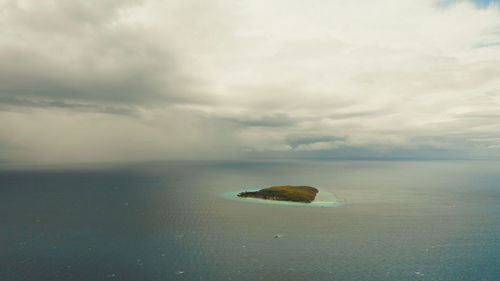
(436, 220)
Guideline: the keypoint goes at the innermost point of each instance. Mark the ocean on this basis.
(396, 220)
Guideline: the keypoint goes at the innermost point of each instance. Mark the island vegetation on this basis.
(304, 194)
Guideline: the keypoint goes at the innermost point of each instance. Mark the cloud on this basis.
(138, 80)
(85, 53)
(296, 142)
(274, 120)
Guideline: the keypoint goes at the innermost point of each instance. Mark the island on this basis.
(303, 194)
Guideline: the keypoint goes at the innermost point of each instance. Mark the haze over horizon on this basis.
(157, 80)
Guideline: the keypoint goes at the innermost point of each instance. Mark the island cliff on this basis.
(304, 194)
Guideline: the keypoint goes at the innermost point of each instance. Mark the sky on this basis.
(121, 80)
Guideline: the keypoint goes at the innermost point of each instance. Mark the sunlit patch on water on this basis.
(323, 199)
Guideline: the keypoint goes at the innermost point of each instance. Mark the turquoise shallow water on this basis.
(171, 221)
(323, 199)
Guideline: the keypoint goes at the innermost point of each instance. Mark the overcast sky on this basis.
(115, 80)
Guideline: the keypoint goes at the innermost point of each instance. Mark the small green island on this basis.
(303, 194)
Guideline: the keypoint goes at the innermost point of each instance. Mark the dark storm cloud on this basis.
(13, 103)
(372, 153)
(295, 141)
(76, 55)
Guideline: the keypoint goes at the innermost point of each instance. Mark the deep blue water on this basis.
(167, 221)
